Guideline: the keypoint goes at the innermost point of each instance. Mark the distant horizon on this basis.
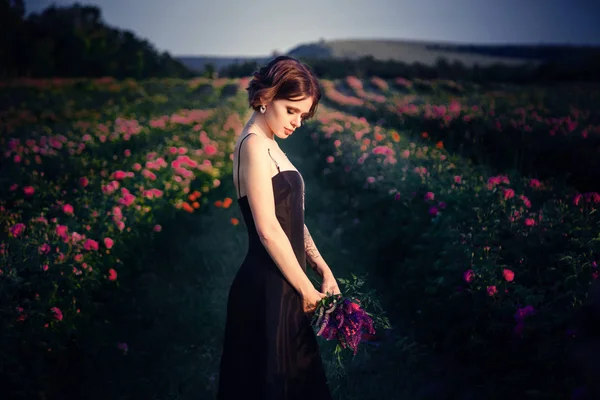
(445, 42)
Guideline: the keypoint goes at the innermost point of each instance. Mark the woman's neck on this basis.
(258, 120)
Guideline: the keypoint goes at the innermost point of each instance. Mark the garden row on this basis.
(488, 269)
(545, 131)
(88, 179)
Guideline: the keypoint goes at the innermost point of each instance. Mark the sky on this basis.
(256, 28)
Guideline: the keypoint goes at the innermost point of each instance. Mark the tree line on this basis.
(549, 71)
(75, 42)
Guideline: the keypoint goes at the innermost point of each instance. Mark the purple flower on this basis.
(523, 312)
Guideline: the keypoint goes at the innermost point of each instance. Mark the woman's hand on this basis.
(310, 300)
(329, 285)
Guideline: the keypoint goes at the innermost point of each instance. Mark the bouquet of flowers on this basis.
(345, 319)
(341, 318)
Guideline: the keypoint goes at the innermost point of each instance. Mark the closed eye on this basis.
(291, 112)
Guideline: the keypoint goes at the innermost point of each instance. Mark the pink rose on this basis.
(90, 245)
(469, 276)
(28, 190)
(529, 221)
(108, 242)
(112, 275)
(17, 229)
(57, 313)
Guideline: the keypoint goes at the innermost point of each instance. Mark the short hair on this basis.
(284, 77)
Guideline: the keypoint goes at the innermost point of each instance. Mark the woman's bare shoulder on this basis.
(252, 143)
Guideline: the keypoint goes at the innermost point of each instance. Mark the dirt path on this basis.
(172, 317)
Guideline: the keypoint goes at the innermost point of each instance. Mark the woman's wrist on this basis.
(325, 272)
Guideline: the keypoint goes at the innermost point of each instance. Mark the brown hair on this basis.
(284, 77)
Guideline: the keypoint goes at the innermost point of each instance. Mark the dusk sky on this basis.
(257, 28)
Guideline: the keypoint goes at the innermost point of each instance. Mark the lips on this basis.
(288, 131)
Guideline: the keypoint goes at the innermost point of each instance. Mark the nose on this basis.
(296, 124)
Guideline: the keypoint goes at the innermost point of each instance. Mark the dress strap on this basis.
(276, 164)
(239, 152)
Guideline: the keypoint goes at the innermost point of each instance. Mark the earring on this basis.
(263, 108)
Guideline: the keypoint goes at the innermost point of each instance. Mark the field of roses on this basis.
(474, 208)
(544, 131)
(488, 268)
(90, 170)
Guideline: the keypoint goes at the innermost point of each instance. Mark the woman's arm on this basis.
(257, 169)
(313, 257)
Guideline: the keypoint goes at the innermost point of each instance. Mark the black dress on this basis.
(270, 351)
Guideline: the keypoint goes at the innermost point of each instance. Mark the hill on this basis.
(427, 52)
(424, 52)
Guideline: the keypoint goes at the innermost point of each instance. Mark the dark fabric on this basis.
(270, 351)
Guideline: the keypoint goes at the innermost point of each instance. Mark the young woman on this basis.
(270, 351)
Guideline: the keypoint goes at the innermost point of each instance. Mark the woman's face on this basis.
(283, 116)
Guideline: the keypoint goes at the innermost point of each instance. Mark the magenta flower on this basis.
(68, 209)
(524, 312)
(61, 231)
(509, 194)
(120, 175)
(127, 199)
(534, 183)
(469, 275)
(429, 196)
(17, 229)
(76, 237)
(57, 313)
(112, 275)
(108, 242)
(210, 150)
(28, 190)
(342, 319)
(120, 225)
(529, 221)
(90, 245)
(44, 249)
